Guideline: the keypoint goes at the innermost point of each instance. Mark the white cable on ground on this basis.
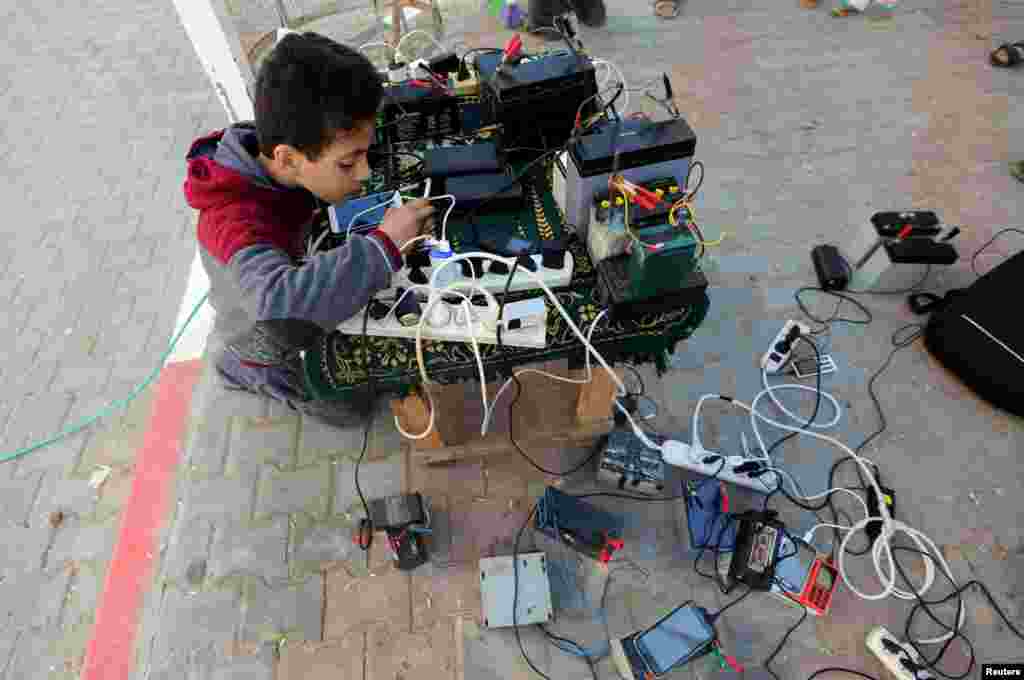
(886, 571)
(771, 389)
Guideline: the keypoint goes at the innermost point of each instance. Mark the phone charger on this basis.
(830, 267)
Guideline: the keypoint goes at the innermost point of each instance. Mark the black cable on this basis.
(926, 605)
(714, 617)
(782, 643)
(593, 454)
(580, 651)
(515, 593)
(898, 343)
(837, 669)
(686, 187)
(974, 258)
(365, 536)
(868, 317)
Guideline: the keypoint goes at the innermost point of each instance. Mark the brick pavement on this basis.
(96, 122)
(805, 124)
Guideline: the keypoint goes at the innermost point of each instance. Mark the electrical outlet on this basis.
(899, 658)
(455, 328)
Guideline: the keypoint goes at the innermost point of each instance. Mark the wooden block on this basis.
(413, 412)
(595, 397)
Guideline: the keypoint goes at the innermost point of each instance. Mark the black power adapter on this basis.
(833, 272)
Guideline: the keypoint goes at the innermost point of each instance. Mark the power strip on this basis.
(533, 336)
(781, 348)
(494, 283)
(893, 654)
(683, 455)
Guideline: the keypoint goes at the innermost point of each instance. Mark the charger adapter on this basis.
(833, 272)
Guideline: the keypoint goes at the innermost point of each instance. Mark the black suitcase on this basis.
(979, 336)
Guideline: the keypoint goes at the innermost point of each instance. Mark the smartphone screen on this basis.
(674, 639)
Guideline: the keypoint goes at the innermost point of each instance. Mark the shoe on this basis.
(591, 13)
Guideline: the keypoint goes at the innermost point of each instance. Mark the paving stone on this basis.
(258, 441)
(70, 497)
(495, 655)
(23, 550)
(442, 593)
(291, 492)
(377, 480)
(293, 610)
(195, 622)
(355, 603)
(48, 655)
(218, 499)
(258, 549)
(32, 599)
(325, 542)
(215, 412)
(189, 546)
(16, 497)
(329, 660)
(429, 654)
(486, 528)
(318, 441)
(84, 592)
(82, 544)
(258, 666)
(465, 478)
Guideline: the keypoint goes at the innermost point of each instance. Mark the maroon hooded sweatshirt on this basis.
(270, 304)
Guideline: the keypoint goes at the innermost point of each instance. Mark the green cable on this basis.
(124, 402)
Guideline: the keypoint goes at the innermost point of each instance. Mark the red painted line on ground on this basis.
(110, 654)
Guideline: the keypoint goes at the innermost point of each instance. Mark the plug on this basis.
(629, 402)
(749, 466)
(891, 647)
(678, 453)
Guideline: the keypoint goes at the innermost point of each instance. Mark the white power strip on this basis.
(893, 654)
(455, 330)
(495, 283)
(779, 351)
(683, 455)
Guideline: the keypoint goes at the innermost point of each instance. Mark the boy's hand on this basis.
(406, 223)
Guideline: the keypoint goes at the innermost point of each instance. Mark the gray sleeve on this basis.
(327, 289)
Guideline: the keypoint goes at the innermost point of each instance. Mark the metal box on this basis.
(497, 589)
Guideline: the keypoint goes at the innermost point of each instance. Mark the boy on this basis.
(255, 185)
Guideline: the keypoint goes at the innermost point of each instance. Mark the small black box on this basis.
(452, 161)
(833, 272)
(472, 190)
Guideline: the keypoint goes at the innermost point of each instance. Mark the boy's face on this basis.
(339, 172)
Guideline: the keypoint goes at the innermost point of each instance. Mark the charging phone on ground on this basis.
(684, 634)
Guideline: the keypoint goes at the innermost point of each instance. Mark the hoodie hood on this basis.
(239, 202)
(223, 167)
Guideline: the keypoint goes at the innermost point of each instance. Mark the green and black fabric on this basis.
(335, 368)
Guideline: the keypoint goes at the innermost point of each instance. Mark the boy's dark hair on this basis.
(310, 88)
